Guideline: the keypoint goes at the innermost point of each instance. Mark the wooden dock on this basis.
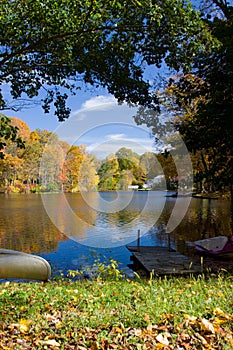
(161, 261)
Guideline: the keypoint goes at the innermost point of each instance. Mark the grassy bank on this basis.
(163, 313)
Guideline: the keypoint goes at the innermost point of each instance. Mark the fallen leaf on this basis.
(24, 325)
(224, 315)
(138, 332)
(162, 339)
(207, 326)
(190, 318)
(94, 346)
(230, 339)
(117, 329)
(4, 347)
(147, 318)
(201, 338)
(185, 337)
(218, 311)
(218, 321)
(51, 342)
(159, 346)
(149, 328)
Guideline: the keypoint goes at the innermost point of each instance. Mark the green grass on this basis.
(118, 314)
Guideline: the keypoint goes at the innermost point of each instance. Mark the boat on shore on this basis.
(180, 194)
(19, 265)
(205, 196)
(219, 247)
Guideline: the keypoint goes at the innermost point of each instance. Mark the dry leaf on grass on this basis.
(162, 339)
(206, 326)
(51, 342)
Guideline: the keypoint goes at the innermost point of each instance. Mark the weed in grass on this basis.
(102, 269)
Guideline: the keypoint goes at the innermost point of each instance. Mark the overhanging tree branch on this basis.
(46, 42)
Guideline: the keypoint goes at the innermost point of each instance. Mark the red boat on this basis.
(220, 246)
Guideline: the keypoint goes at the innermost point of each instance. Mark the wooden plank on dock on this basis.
(162, 261)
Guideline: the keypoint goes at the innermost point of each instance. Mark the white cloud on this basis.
(95, 105)
(144, 141)
(104, 126)
(116, 137)
(111, 143)
(99, 103)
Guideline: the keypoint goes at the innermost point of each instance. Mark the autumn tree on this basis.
(10, 167)
(12, 163)
(203, 103)
(120, 170)
(128, 161)
(88, 178)
(23, 129)
(130, 168)
(150, 164)
(139, 176)
(198, 103)
(31, 157)
(109, 174)
(125, 180)
(169, 170)
(73, 161)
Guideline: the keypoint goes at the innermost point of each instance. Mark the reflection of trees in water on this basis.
(84, 217)
(204, 219)
(19, 235)
(117, 219)
(160, 227)
(25, 226)
(129, 212)
(231, 218)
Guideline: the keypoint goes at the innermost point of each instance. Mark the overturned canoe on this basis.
(14, 264)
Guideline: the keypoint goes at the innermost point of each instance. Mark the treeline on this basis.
(61, 167)
(21, 169)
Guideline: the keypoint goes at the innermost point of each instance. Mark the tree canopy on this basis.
(8, 132)
(200, 102)
(50, 48)
(207, 100)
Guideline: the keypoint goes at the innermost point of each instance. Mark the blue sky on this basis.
(96, 121)
(104, 127)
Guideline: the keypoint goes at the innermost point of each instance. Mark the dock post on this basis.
(169, 242)
(138, 241)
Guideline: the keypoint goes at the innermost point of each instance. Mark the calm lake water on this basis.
(71, 231)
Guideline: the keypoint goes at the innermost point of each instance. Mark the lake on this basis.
(72, 230)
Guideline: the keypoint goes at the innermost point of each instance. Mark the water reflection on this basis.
(204, 219)
(26, 226)
(119, 228)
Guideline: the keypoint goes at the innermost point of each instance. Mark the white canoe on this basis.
(14, 264)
